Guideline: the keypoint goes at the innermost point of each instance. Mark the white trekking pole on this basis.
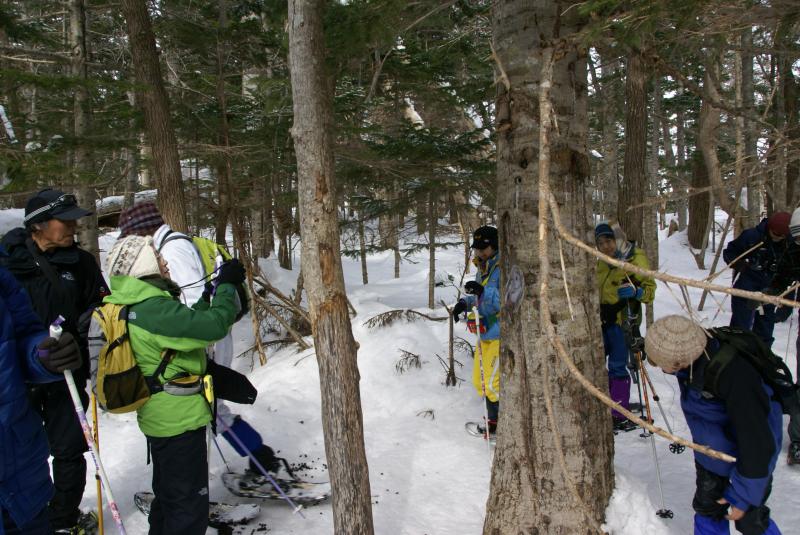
(483, 383)
(55, 332)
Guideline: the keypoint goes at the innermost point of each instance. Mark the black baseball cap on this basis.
(484, 237)
(53, 204)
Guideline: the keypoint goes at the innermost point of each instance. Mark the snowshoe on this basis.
(220, 515)
(478, 429)
(794, 453)
(87, 525)
(252, 485)
(623, 425)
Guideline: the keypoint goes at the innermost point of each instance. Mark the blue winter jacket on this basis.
(25, 485)
(744, 422)
(489, 302)
(758, 268)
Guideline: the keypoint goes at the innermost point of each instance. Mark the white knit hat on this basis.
(133, 256)
(674, 342)
(794, 224)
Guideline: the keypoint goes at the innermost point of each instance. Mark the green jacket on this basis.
(159, 321)
(610, 278)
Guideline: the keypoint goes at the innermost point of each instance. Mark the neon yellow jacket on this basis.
(610, 278)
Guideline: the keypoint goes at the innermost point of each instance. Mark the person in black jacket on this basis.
(61, 279)
(731, 409)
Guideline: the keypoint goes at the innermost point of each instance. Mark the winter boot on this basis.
(794, 453)
(620, 391)
(87, 525)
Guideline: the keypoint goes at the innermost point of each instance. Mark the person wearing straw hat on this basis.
(168, 340)
(754, 256)
(621, 298)
(739, 417)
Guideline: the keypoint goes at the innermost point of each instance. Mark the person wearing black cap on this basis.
(755, 271)
(61, 279)
(484, 293)
(621, 298)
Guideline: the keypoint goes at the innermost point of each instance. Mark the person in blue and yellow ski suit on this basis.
(484, 293)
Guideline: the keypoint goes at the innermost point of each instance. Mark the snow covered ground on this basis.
(427, 475)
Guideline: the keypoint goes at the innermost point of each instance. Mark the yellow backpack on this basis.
(119, 385)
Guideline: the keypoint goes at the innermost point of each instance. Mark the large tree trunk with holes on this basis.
(699, 211)
(152, 97)
(529, 492)
(634, 181)
(335, 346)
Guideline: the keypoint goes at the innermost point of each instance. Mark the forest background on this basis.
(436, 112)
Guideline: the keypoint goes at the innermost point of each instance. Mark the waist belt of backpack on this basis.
(182, 385)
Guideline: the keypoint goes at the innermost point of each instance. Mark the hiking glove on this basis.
(783, 313)
(231, 272)
(459, 309)
(474, 288)
(629, 292)
(59, 355)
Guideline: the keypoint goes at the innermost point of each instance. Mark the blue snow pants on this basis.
(617, 351)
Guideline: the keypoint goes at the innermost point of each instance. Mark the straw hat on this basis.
(674, 342)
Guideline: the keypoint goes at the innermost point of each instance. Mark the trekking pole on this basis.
(483, 384)
(55, 332)
(295, 508)
(663, 512)
(674, 447)
(632, 354)
(96, 429)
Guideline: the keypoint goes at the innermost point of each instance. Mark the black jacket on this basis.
(80, 288)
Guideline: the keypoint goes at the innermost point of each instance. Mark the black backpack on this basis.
(772, 369)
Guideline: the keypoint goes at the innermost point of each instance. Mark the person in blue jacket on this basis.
(27, 355)
(755, 270)
(740, 417)
(484, 293)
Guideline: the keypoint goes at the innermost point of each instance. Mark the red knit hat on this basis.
(144, 219)
(778, 223)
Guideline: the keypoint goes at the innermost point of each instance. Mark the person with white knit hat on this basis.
(160, 326)
(729, 408)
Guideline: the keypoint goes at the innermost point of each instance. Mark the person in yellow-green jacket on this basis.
(484, 293)
(621, 298)
(173, 419)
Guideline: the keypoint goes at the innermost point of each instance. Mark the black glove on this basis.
(231, 272)
(459, 309)
(244, 302)
(208, 289)
(59, 355)
(474, 288)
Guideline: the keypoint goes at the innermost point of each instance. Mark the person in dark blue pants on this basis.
(754, 271)
(27, 355)
(731, 409)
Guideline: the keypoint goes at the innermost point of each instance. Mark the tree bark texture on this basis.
(322, 268)
(81, 157)
(634, 182)
(651, 224)
(608, 114)
(529, 493)
(152, 97)
(431, 249)
(680, 159)
(699, 209)
(754, 182)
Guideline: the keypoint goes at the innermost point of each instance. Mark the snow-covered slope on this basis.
(427, 475)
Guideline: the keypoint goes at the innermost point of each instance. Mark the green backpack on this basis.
(207, 250)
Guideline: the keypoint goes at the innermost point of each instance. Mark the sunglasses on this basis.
(66, 199)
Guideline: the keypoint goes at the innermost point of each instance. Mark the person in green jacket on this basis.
(621, 298)
(174, 419)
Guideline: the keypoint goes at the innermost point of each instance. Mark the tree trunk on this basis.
(680, 159)
(157, 122)
(362, 248)
(754, 182)
(699, 207)
(224, 188)
(336, 349)
(651, 225)
(529, 493)
(81, 158)
(608, 113)
(634, 182)
(431, 249)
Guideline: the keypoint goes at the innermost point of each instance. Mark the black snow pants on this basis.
(180, 484)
